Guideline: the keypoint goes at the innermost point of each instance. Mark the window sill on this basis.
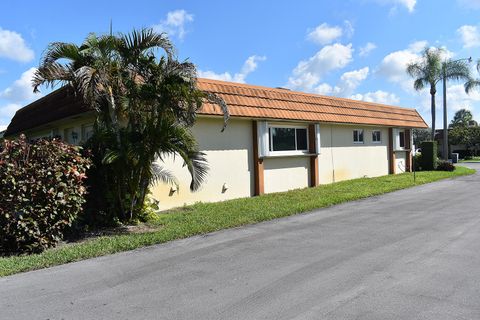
(290, 155)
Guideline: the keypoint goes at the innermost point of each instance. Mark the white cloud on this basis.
(471, 4)
(349, 81)
(21, 89)
(393, 66)
(249, 66)
(13, 46)
(470, 36)
(367, 48)
(457, 98)
(348, 28)
(378, 96)
(3, 127)
(408, 4)
(308, 73)
(174, 24)
(325, 34)
(7, 112)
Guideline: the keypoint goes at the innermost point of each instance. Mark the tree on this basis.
(462, 118)
(420, 135)
(467, 136)
(430, 70)
(145, 105)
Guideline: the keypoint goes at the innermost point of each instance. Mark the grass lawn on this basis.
(208, 217)
(473, 159)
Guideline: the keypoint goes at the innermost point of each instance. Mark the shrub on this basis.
(429, 155)
(445, 166)
(41, 193)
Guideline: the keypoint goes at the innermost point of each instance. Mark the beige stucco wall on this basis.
(400, 161)
(341, 159)
(286, 173)
(74, 124)
(229, 156)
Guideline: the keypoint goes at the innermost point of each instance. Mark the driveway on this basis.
(411, 254)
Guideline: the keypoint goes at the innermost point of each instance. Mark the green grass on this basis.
(473, 159)
(203, 218)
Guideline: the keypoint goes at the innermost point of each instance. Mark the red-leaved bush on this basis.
(41, 193)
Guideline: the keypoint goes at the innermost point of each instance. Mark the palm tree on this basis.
(145, 105)
(431, 69)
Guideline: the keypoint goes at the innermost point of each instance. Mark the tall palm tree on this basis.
(145, 105)
(431, 69)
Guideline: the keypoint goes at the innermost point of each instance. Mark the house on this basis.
(276, 139)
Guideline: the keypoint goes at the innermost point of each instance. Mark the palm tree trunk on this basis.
(432, 93)
(113, 116)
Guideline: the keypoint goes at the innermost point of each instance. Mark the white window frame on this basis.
(396, 135)
(400, 140)
(290, 152)
(380, 132)
(363, 135)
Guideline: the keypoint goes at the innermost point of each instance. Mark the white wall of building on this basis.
(230, 159)
(400, 161)
(286, 173)
(341, 159)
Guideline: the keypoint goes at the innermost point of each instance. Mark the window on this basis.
(376, 136)
(87, 132)
(288, 139)
(401, 135)
(358, 136)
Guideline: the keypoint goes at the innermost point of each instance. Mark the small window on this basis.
(401, 135)
(87, 132)
(288, 139)
(376, 136)
(358, 136)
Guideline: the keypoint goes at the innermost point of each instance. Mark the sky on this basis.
(352, 48)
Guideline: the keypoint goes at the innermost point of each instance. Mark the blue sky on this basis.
(356, 49)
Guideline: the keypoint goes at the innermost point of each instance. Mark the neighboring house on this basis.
(276, 139)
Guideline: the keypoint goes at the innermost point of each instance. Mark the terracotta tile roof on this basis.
(262, 102)
(243, 101)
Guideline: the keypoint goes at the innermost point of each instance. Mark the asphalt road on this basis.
(412, 254)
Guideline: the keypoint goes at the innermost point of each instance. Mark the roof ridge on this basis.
(289, 91)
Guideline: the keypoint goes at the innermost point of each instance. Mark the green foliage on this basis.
(462, 118)
(41, 193)
(467, 136)
(420, 135)
(429, 155)
(443, 165)
(203, 218)
(146, 102)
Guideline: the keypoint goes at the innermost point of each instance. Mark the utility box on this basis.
(455, 157)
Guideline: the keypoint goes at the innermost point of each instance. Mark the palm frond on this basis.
(61, 50)
(217, 100)
(471, 85)
(160, 174)
(50, 74)
(197, 165)
(456, 70)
